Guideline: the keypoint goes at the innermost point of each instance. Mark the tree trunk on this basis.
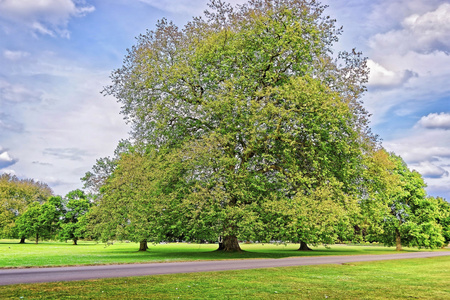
(75, 241)
(143, 246)
(304, 247)
(37, 238)
(221, 246)
(398, 241)
(229, 244)
(22, 240)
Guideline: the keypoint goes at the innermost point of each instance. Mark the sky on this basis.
(57, 55)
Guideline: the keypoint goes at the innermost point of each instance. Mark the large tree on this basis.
(16, 195)
(257, 92)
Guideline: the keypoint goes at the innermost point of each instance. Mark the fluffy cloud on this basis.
(409, 59)
(421, 33)
(430, 170)
(416, 149)
(49, 17)
(435, 121)
(384, 14)
(5, 159)
(381, 77)
(428, 152)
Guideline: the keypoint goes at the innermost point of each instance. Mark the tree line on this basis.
(247, 126)
(29, 209)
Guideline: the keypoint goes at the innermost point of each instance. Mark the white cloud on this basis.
(421, 33)
(425, 83)
(5, 159)
(428, 152)
(15, 55)
(430, 170)
(384, 14)
(415, 149)
(48, 17)
(435, 121)
(381, 77)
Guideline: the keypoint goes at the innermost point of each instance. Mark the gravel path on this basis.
(33, 275)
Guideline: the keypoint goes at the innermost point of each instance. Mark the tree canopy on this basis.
(16, 195)
(41, 220)
(73, 220)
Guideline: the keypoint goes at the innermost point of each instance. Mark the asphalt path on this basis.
(34, 275)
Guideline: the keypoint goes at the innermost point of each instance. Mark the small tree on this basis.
(77, 206)
(40, 220)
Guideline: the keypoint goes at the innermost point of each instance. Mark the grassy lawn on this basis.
(417, 279)
(13, 254)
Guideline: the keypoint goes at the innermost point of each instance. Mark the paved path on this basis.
(32, 275)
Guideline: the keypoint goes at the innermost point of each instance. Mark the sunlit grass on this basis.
(417, 279)
(13, 254)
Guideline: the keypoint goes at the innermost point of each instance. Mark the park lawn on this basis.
(412, 278)
(46, 254)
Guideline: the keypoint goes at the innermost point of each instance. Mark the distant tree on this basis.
(76, 206)
(412, 218)
(443, 218)
(16, 195)
(40, 220)
(257, 92)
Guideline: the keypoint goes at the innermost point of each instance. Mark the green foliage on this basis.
(103, 168)
(443, 218)
(136, 200)
(379, 185)
(16, 195)
(73, 221)
(396, 210)
(40, 220)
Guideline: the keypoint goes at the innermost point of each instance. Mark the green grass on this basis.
(14, 255)
(402, 279)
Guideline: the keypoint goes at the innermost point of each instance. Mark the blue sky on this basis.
(56, 56)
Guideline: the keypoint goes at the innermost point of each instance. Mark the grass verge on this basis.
(418, 279)
(44, 254)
